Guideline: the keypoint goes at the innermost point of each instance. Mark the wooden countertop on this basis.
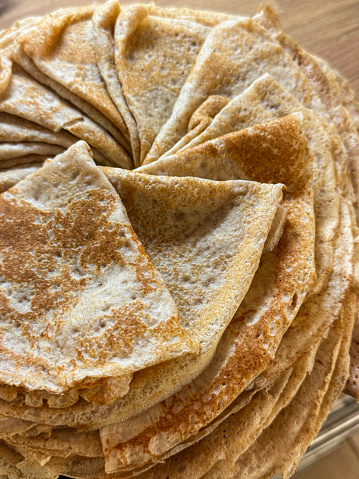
(327, 28)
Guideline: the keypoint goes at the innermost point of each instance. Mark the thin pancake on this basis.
(104, 21)
(215, 200)
(10, 151)
(235, 54)
(150, 51)
(71, 271)
(9, 178)
(26, 98)
(262, 101)
(15, 129)
(286, 274)
(339, 99)
(305, 413)
(61, 54)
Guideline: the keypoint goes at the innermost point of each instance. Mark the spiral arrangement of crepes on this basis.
(178, 245)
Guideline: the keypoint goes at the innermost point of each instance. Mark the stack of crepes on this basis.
(178, 245)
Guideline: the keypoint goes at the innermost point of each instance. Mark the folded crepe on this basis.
(26, 98)
(150, 52)
(235, 53)
(306, 412)
(262, 101)
(214, 201)
(87, 302)
(339, 99)
(10, 177)
(252, 332)
(60, 53)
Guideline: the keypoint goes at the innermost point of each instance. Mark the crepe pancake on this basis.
(60, 53)
(17, 130)
(298, 164)
(339, 98)
(319, 311)
(151, 28)
(206, 209)
(194, 462)
(104, 21)
(286, 385)
(138, 191)
(264, 100)
(277, 389)
(189, 463)
(26, 98)
(256, 367)
(209, 394)
(216, 72)
(305, 414)
(324, 83)
(330, 301)
(189, 190)
(11, 151)
(150, 51)
(158, 335)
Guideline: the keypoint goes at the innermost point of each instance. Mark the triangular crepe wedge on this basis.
(26, 98)
(264, 314)
(205, 213)
(60, 53)
(104, 21)
(235, 54)
(325, 85)
(150, 53)
(84, 279)
(136, 99)
(264, 100)
(319, 310)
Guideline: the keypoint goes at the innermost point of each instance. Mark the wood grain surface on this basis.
(327, 28)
